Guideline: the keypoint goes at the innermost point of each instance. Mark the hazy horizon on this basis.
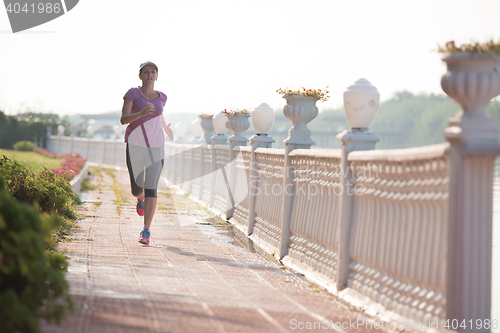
(225, 54)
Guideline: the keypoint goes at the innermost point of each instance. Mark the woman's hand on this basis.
(149, 109)
(169, 132)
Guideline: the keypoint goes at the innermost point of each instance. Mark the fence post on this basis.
(47, 137)
(258, 141)
(237, 124)
(472, 80)
(207, 126)
(220, 138)
(73, 134)
(263, 119)
(197, 133)
(60, 133)
(361, 101)
(105, 130)
(173, 162)
(353, 140)
(117, 130)
(300, 110)
(90, 131)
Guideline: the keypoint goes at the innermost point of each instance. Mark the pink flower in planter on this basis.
(71, 166)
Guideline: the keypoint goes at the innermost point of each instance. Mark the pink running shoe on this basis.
(140, 207)
(144, 238)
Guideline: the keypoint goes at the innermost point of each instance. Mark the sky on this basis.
(219, 54)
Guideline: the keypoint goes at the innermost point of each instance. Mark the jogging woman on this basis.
(143, 111)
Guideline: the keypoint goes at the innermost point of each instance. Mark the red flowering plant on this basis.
(490, 47)
(71, 166)
(45, 152)
(321, 95)
(235, 112)
(64, 173)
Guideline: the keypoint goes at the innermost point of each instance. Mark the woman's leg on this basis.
(137, 191)
(149, 210)
(153, 173)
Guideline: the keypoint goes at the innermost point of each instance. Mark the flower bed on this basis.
(235, 112)
(322, 95)
(71, 166)
(489, 47)
(45, 152)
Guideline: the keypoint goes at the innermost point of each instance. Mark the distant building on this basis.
(102, 124)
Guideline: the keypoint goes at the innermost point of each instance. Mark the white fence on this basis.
(397, 241)
(111, 152)
(408, 229)
(397, 246)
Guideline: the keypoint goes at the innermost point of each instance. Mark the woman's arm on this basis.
(127, 117)
(167, 128)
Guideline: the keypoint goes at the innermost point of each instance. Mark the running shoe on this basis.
(140, 207)
(144, 238)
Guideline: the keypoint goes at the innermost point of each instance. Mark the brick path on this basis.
(192, 278)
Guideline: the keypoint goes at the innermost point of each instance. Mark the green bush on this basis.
(24, 146)
(32, 282)
(52, 193)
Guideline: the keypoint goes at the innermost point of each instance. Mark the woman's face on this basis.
(148, 74)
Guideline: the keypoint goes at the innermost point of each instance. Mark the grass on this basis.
(87, 185)
(33, 161)
(65, 230)
(314, 289)
(120, 200)
(223, 224)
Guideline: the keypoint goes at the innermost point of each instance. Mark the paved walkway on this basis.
(194, 277)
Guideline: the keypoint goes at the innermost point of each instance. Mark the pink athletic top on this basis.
(146, 131)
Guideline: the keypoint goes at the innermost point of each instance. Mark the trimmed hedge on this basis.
(53, 194)
(32, 282)
(24, 146)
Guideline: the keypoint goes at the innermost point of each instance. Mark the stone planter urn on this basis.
(472, 80)
(300, 110)
(238, 123)
(361, 101)
(208, 127)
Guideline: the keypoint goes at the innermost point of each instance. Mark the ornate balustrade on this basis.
(314, 220)
(221, 195)
(206, 168)
(240, 190)
(398, 234)
(109, 151)
(399, 229)
(406, 229)
(269, 196)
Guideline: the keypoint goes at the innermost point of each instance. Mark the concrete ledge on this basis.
(313, 276)
(76, 183)
(401, 155)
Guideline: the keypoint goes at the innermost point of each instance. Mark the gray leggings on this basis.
(144, 168)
